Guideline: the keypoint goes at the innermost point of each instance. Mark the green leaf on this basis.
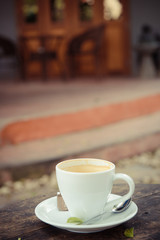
(74, 220)
(129, 232)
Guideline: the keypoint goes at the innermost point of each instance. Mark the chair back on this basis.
(7, 47)
(94, 35)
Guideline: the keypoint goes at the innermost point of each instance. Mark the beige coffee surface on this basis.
(87, 168)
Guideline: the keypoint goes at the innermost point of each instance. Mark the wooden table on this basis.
(19, 221)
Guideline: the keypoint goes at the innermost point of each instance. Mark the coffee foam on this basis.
(87, 168)
(97, 165)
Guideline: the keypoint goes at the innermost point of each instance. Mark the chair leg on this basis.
(72, 67)
(98, 66)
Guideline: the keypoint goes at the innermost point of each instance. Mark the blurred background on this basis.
(77, 78)
(36, 28)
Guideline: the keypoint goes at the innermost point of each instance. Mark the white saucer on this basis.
(47, 212)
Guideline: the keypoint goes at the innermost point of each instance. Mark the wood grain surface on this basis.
(18, 220)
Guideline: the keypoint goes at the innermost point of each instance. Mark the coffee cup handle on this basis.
(129, 180)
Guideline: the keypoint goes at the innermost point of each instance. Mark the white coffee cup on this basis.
(85, 189)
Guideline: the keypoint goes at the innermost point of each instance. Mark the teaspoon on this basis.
(120, 207)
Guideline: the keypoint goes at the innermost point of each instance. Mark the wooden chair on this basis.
(76, 49)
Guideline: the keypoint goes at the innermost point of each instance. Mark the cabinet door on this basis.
(86, 14)
(28, 16)
(54, 29)
(117, 48)
(53, 18)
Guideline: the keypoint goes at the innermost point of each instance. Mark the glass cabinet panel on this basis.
(86, 10)
(30, 11)
(57, 10)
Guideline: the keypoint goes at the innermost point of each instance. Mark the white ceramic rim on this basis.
(85, 159)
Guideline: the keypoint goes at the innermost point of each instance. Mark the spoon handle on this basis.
(95, 219)
(117, 209)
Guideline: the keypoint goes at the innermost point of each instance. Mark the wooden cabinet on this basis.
(48, 26)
